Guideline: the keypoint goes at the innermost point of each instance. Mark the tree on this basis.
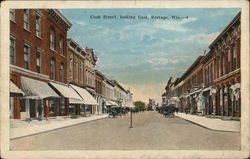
(139, 105)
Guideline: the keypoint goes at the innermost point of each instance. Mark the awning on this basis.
(86, 96)
(68, 92)
(109, 103)
(15, 91)
(35, 89)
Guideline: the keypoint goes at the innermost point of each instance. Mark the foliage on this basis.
(139, 105)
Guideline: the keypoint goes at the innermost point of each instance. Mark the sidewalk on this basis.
(21, 128)
(212, 123)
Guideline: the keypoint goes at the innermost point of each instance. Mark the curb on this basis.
(207, 127)
(55, 129)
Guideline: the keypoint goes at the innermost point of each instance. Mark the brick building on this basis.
(38, 57)
(78, 60)
(211, 85)
(99, 89)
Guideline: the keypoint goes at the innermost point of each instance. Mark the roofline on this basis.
(191, 67)
(237, 17)
(63, 17)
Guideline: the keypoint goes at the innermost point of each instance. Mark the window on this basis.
(52, 39)
(12, 15)
(38, 61)
(229, 62)
(76, 71)
(62, 72)
(12, 50)
(72, 109)
(22, 105)
(62, 45)
(52, 106)
(52, 69)
(224, 65)
(63, 107)
(234, 58)
(70, 66)
(81, 72)
(26, 19)
(26, 56)
(38, 26)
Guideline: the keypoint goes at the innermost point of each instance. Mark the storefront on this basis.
(89, 101)
(70, 101)
(15, 94)
(39, 100)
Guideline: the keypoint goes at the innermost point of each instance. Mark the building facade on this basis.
(211, 85)
(37, 57)
(79, 75)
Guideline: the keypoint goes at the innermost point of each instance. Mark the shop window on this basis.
(52, 106)
(22, 105)
(63, 106)
(72, 109)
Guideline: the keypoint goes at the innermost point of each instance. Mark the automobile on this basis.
(115, 111)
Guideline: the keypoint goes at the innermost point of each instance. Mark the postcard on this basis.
(124, 79)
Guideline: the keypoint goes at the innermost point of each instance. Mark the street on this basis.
(151, 131)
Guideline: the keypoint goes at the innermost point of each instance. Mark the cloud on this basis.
(203, 39)
(80, 23)
(172, 25)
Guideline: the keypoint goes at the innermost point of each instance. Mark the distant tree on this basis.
(139, 105)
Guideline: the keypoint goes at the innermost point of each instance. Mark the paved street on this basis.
(151, 131)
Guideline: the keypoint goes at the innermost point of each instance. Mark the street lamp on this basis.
(131, 107)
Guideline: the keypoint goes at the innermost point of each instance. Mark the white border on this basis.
(4, 80)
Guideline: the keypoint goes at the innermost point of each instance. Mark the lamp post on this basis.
(131, 125)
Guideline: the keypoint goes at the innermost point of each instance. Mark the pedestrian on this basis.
(40, 111)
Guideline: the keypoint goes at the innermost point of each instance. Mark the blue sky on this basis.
(143, 53)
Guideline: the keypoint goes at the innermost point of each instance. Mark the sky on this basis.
(142, 54)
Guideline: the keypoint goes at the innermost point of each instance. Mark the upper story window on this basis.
(81, 71)
(12, 15)
(39, 61)
(76, 71)
(52, 39)
(229, 62)
(62, 72)
(38, 26)
(61, 45)
(234, 58)
(12, 50)
(71, 66)
(53, 69)
(26, 19)
(26, 56)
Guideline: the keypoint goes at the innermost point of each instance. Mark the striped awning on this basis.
(15, 91)
(35, 89)
(86, 96)
(67, 92)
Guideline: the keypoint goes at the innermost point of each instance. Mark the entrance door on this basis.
(32, 108)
